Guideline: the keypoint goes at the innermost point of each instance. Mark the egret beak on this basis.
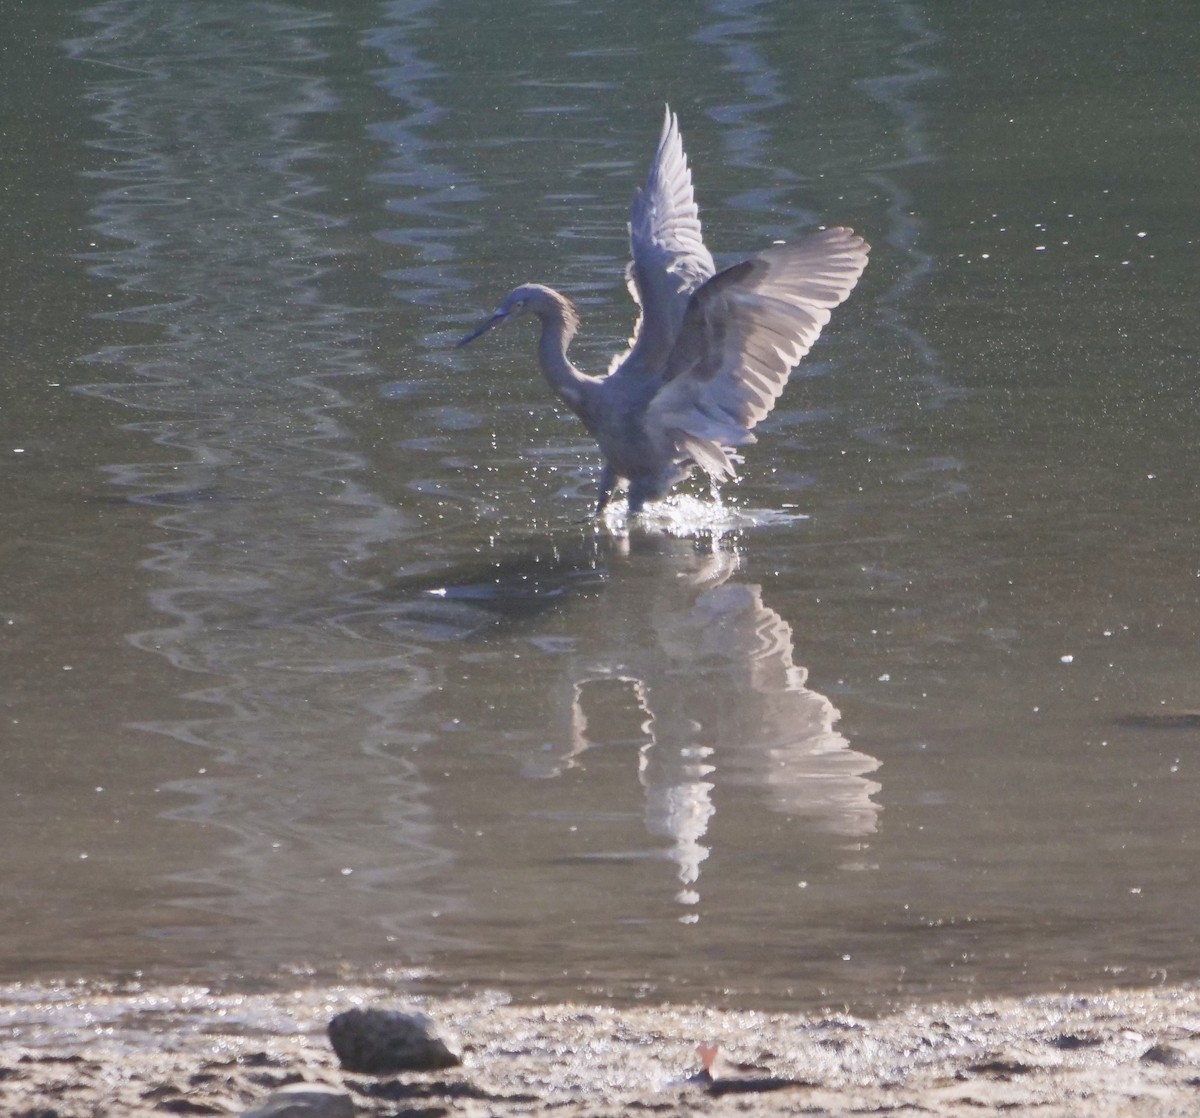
(483, 327)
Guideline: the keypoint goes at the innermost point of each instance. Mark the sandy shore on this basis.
(71, 1052)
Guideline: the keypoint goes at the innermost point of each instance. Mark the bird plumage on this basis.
(711, 351)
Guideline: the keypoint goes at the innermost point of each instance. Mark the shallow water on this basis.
(313, 659)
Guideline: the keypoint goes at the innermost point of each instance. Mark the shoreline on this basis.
(83, 1051)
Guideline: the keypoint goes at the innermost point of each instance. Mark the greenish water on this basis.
(312, 661)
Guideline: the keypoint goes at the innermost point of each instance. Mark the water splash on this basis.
(688, 517)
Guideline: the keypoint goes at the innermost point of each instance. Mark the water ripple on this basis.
(218, 208)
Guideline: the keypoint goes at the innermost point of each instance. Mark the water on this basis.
(314, 663)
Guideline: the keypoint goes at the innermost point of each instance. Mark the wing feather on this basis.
(670, 260)
(744, 331)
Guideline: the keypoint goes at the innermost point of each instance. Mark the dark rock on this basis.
(186, 1106)
(384, 1041)
(1164, 1054)
(1002, 1067)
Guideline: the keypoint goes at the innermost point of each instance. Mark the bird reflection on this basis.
(681, 655)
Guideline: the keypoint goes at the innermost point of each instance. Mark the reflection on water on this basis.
(627, 709)
(707, 682)
(214, 197)
(716, 639)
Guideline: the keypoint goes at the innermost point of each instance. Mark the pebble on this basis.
(384, 1041)
(1164, 1054)
(304, 1100)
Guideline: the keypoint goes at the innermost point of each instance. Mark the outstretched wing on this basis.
(669, 258)
(744, 331)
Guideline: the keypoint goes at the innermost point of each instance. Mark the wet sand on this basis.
(70, 1052)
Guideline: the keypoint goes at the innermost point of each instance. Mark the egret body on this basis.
(711, 351)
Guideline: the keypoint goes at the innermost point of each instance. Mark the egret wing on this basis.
(745, 329)
(669, 257)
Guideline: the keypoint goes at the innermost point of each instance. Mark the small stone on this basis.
(304, 1100)
(384, 1041)
(1164, 1054)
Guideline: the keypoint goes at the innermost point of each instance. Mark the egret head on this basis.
(529, 298)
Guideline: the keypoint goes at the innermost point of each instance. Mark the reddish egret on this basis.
(711, 351)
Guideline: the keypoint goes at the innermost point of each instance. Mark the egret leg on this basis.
(639, 493)
(607, 480)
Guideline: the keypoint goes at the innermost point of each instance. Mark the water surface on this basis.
(314, 661)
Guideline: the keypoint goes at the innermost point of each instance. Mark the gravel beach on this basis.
(76, 1051)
